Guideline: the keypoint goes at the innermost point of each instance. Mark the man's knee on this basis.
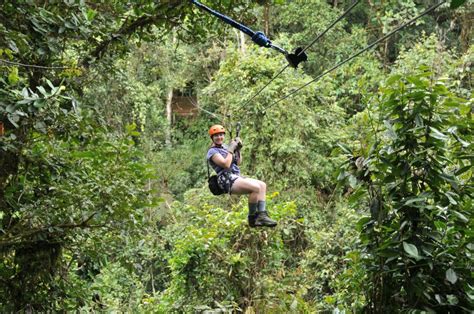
(255, 187)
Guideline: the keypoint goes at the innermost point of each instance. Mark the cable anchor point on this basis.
(294, 59)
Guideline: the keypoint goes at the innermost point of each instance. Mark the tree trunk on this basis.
(266, 18)
(169, 100)
(9, 165)
(169, 117)
(466, 30)
(243, 46)
(240, 36)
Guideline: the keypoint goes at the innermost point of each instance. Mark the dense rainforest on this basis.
(367, 157)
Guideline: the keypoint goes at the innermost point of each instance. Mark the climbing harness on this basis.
(301, 51)
(358, 53)
(258, 37)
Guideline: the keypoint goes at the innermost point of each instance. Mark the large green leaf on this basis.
(411, 250)
(456, 3)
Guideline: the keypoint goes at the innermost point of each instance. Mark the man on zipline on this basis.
(224, 159)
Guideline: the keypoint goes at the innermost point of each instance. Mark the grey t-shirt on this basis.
(223, 151)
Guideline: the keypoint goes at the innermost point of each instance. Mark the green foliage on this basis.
(443, 62)
(73, 178)
(217, 262)
(115, 270)
(46, 32)
(428, 51)
(454, 4)
(332, 266)
(416, 177)
(346, 87)
(297, 19)
(65, 178)
(178, 174)
(127, 97)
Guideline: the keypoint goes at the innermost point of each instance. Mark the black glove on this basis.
(232, 147)
(239, 143)
(237, 156)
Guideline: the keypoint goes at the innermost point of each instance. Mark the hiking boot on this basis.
(252, 219)
(263, 220)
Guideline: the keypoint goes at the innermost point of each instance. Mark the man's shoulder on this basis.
(218, 149)
(214, 150)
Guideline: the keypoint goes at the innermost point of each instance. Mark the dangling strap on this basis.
(208, 172)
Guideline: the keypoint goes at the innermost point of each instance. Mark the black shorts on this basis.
(225, 181)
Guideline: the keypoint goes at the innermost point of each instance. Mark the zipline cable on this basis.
(34, 66)
(12, 63)
(331, 26)
(261, 89)
(300, 52)
(358, 53)
(215, 115)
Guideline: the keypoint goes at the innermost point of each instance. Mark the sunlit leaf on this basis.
(13, 77)
(411, 250)
(461, 216)
(393, 79)
(451, 276)
(437, 134)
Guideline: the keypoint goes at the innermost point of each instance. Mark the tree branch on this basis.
(128, 29)
(20, 238)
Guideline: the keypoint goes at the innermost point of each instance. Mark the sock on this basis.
(261, 206)
(252, 209)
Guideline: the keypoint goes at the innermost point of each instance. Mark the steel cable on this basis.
(358, 53)
(302, 51)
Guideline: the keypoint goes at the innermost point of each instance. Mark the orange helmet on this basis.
(216, 129)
